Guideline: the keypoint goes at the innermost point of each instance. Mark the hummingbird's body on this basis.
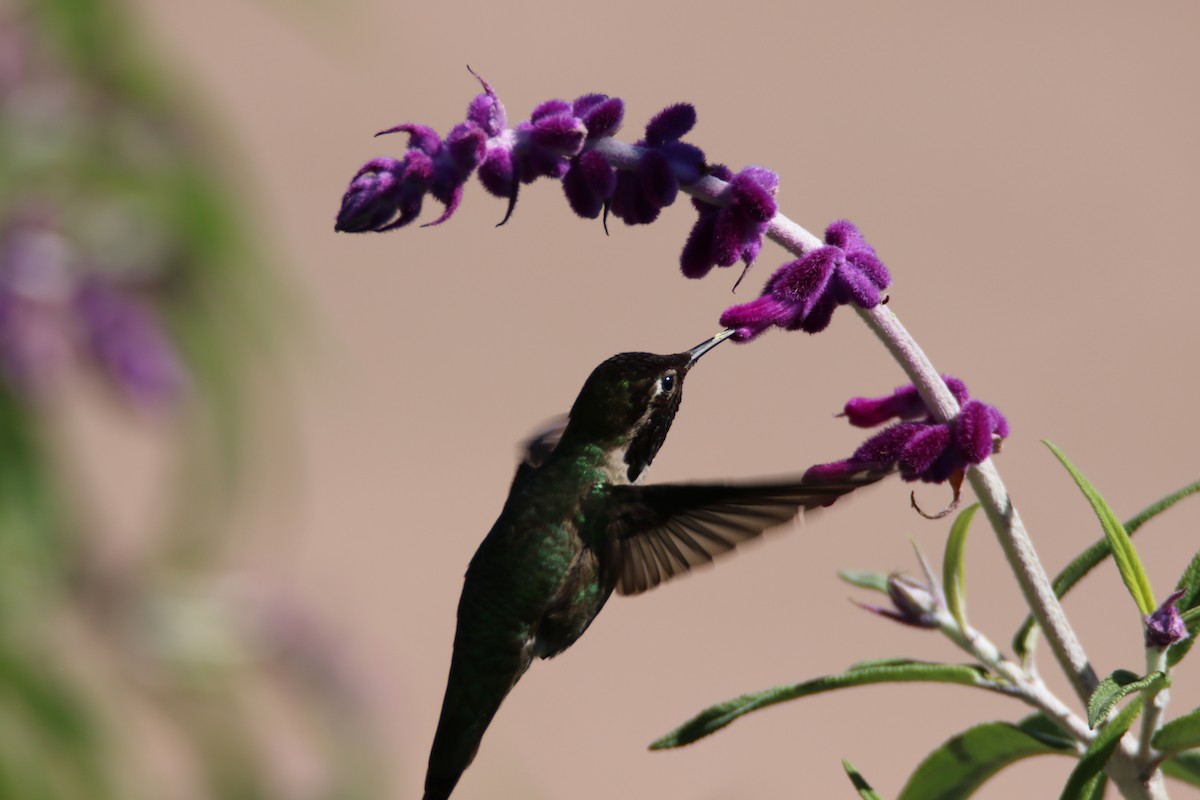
(575, 527)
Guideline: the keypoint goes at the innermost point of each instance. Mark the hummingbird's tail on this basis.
(473, 695)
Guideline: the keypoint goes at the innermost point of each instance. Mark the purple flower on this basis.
(1165, 626)
(643, 192)
(127, 342)
(904, 403)
(722, 235)
(802, 294)
(35, 284)
(920, 449)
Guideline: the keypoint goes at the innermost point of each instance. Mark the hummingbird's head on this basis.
(628, 403)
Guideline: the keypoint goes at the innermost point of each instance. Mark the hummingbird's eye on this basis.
(666, 384)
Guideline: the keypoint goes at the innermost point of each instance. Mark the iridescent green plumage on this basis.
(576, 527)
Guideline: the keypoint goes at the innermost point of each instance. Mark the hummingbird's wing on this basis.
(533, 451)
(662, 530)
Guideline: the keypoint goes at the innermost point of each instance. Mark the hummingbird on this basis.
(579, 524)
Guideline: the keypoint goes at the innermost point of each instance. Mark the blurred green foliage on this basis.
(124, 261)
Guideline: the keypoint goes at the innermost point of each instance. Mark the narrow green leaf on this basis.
(962, 764)
(860, 783)
(865, 580)
(1181, 733)
(1114, 688)
(1184, 767)
(1089, 772)
(1092, 557)
(1189, 607)
(952, 566)
(892, 671)
(1126, 557)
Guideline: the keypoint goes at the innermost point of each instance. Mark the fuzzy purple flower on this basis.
(904, 403)
(722, 235)
(923, 449)
(1165, 626)
(643, 192)
(802, 294)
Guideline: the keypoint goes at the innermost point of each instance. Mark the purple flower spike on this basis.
(670, 124)
(845, 270)
(1165, 626)
(918, 447)
(129, 345)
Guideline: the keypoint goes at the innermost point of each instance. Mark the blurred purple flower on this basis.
(127, 342)
(802, 294)
(722, 235)
(922, 450)
(35, 286)
(1165, 626)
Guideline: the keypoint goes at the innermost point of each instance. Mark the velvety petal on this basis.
(629, 202)
(465, 147)
(923, 448)
(697, 260)
(752, 191)
(857, 286)
(818, 316)
(562, 134)
(371, 199)
(581, 105)
(496, 172)
(834, 471)
(867, 412)
(657, 181)
(670, 124)
(687, 161)
(973, 432)
(871, 267)
(751, 319)
(883, 449)
(604, 119)
(802, 282)
(550, 108)
(420, 137)
(486, 110)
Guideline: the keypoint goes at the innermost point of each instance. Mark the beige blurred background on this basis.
(1027, 170)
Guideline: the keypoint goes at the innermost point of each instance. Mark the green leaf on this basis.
(890, 671)
(1088, 776)
(1189, 606)
(865, 580)
(962, 764)
(1092, 557)
(1184, 767)
(1181, 733)
(952, 566)
(860, 783)
(1128, 563)
(1116, 687)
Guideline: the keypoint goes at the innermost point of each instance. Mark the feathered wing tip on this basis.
(661, 531)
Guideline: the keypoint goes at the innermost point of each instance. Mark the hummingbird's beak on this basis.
(704, 347)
